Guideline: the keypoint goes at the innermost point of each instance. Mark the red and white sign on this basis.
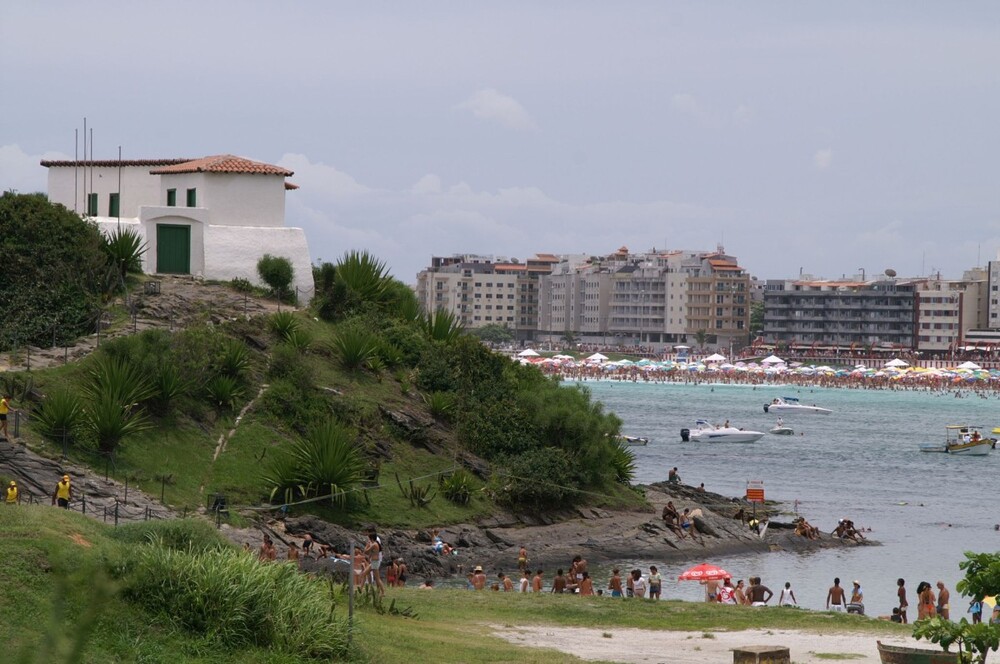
(755, 491)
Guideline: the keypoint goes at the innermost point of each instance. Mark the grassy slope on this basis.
(42, 546)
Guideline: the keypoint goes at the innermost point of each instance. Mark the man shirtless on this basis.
(943, 598)
(758, 593)
(672, 520)
(559, 583)
(837, 597)
(478, 578)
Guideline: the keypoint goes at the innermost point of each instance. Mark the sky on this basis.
(816, 138)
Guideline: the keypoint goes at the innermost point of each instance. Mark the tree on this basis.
(701, 336)
(494, 334)
(277, 272)
(982, 579)
(756, 318)
(568, 339)
(52, 271)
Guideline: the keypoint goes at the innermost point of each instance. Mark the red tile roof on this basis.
(112, 163)
(223, 163)
(723, 265)
(289, 186)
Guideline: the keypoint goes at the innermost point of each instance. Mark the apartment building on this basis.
(947, 309)
(486, 290)
(844, 313)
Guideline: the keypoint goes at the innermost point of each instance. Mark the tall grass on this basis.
(231, 597)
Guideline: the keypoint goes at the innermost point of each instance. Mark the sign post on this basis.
(755, 494)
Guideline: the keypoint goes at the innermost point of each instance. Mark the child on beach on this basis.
(654, 583)
(615, 584)
(976, 609)
(638, 584)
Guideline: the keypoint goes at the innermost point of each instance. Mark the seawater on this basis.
(861, 462)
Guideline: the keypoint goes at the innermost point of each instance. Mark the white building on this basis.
(212, 217)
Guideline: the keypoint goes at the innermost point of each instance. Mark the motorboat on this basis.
(782, 405)
(967, 440)
(710, 433)
(782, 430)
(633, 440)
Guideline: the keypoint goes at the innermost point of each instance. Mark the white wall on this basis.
(236, 199)
(233, 251)
(138, 188)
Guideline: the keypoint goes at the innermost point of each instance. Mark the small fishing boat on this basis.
(708, 433)
(966, 440)
(782, 405)
(903, 655)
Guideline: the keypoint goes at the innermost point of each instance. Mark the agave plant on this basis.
(457, 487)
(60, 415)
(124, 248)
(326, 462)
(354, 347)
(364, 275)
(223, 392)
(168, 385)
(443, 325)
(234, 360)
(622, 461)
(283, 323)
(114, 388)
(440, 404)
(300, 340)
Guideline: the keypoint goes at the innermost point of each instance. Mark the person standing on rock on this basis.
(11, 494)
(63, 493)
(4, 409)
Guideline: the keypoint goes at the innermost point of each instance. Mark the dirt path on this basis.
(647, 646)
(182, 301)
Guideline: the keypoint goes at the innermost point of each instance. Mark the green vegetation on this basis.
(973, 642)
(124, 249)
(276, 272)
(494, 334)
(53, 272)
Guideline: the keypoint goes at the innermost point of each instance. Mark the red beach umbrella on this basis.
(702, 572)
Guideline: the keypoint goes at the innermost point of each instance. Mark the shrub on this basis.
(287, 362)
(457, 487)
(223, 392)
(168, 386)
(298, 408)
(354, 347)
(276, 272)
(238, 601)
(365, 277)
(440, 405)
(300, 340)
(390, 354)
(540, 478)
(124, 249)
(194, 535)
(60, 415)
(326, 462)
(283, 323)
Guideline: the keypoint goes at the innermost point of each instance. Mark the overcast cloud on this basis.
(820, 137)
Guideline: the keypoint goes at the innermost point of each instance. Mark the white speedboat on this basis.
(783, 405)
(633, 440)
(709, 433)
(782, 430)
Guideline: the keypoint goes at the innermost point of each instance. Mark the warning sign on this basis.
(755, 491)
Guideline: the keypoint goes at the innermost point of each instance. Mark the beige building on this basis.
(948, 309)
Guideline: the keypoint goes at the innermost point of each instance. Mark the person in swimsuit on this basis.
(559, 583)
(944, 597)
(655, 583)
(522, 559)
(738, 593)
(586, 584)
(391, 573)
(615, 584)
(759, 594)
(836, 595)
(361, 568)
(901, 594)
(373, 549)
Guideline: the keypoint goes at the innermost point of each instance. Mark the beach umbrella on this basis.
(528, 353)
(896, 363)
(773, 359)
(990, 601)
(704, 571)
(969, 365)
(597, 357)
(715, 357)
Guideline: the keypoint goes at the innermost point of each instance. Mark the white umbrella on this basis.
(896, 363)
(969, 365)
(597, 357)
(527, 353)
(773, 359)
(715, 357)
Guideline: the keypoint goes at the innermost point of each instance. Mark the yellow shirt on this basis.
(11, 494)
(4, 407)
(62, 490)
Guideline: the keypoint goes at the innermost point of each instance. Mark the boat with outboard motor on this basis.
(784, 405)
(710, 433)
(962, 439)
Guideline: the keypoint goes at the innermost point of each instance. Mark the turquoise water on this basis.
(861, 462)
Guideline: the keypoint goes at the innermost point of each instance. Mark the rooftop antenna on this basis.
(119, 210)
(76, 167)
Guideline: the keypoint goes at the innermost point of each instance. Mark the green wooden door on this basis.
(173, 249)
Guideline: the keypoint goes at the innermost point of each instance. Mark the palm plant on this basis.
(283, 323)
(354, 347)
(223, 392)
(298, 339)
(60, 415)
(623, 462)
(443, 325)
(234, 360)
(364, 275)
(168, 385)
(326, 462)
(124, 249)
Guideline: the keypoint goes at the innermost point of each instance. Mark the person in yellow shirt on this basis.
(10, 497)
(4, 409)
(63, 493)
